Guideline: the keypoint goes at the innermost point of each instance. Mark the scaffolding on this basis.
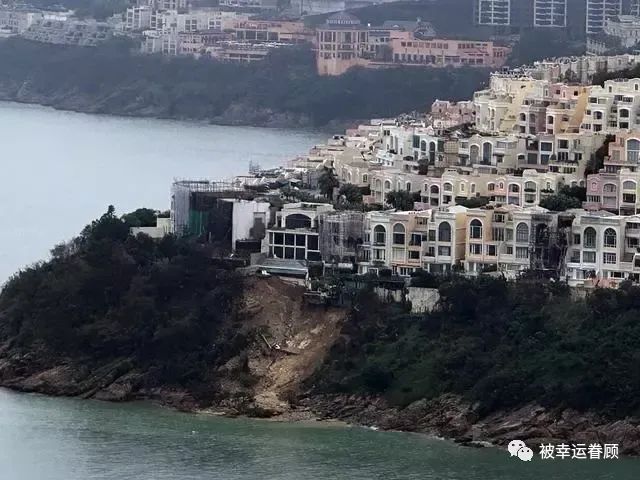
(183, 210)
(341, 236)
(549, 240)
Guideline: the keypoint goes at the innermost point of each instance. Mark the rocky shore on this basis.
(451, 417)
(448, 416)
(236, 115)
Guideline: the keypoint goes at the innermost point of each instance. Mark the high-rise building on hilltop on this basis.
(598, 11)
(550, 13)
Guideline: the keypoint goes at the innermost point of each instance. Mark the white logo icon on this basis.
(525, 454)
(517, 448)
(514, 446)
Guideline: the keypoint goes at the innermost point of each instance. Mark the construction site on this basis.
(341, 237)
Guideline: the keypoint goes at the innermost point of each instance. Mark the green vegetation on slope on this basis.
(498, 343)
(110, 79)
(106, 295)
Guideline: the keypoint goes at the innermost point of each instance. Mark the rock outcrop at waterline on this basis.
(450, 416)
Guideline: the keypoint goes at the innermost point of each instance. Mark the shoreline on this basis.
(447, 418)
(294, 124)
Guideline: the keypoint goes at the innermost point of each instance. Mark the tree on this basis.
(142, 217)
(327, 183)
(560, 202)
(402, 200)
(351, 193)
(574, 191)
(473, 202)
(596, 162)
(423, 166)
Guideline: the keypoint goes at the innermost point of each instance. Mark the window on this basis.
(475, 229)
(491, 250)
(414, 255)
(629, 185)
(432, 235)
(497, 234)
(633, 150)
(509, 250)
(608, 258)
(398, 234)
(447, 187)
(589, 257)
(609, 188)
(522, 233)
(576, 239)
(444, 251)
(475, 249)
(491, 187)
(416, 239)
(610, 238)
(522, 252)
(444, 232)
(589, 237)
(379, 234)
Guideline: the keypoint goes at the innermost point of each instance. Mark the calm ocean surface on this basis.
(60, 170)
(66, 439)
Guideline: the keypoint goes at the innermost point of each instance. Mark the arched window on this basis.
(398, 234)
(447, 187)
(523, 117)
(609, 237)
(514, 188)
(444, 232)
(297, 220)
(408, 186)
(435, 190)
(378, 184)
(522, 233)
(475, 229)
(387, 185)
(609, 188)
(432, 151)
(379, 234)
(474, 153)
(530, 186)
(589, 236)
(487, 150)
(423, 145)
(633, 150)
(629, 185)
(491, 186)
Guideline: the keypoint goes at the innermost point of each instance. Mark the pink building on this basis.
(445, 53)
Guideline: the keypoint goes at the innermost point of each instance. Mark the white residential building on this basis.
(294, 236)
(493, 12)
(138, 18)
(550, 13)
(598, 11)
